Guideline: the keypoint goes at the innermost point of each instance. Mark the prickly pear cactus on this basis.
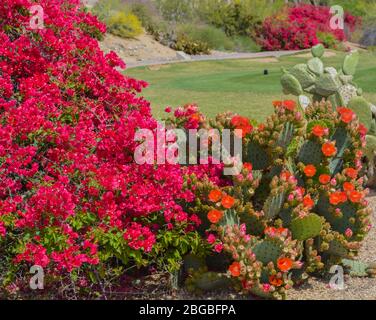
(319, 83)
(298, 205)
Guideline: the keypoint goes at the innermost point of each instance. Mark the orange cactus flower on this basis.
(277, 104)
(242, 123)
(196, 117)
(348, 187)
(228, 202)
(215, 216)
(275, 281)
(337, 197)
(347, 115)
(284, 264)
(351, 173)
(235, 269)
(319, 131)
(355, 196)
(215, 195)
(248, 166)
(289, 105)
(329, 149)
(310, 171)
(308, 202)
(324, 179)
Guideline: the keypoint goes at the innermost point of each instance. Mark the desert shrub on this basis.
(215, 38)
(245, 44)
(236, 17)
(125, 25)
(176, 10)
(190, 46)
(327, 39)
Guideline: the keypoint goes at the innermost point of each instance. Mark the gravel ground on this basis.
(355, 288)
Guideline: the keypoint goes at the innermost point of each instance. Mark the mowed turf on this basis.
(236, 85)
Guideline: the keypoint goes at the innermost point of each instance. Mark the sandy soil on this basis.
(140, 49)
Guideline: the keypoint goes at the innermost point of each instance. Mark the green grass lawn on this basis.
(236, 85)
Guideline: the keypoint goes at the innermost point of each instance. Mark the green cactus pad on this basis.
(260, 293)
(306, 228)
(339, 224)
(316, 66)
(273, 205)
(310, 153)
(318, 50)
(211, 281)
(372, 130)
(356, 268)
(342, 140)
(286, 135)
(370, 146)
(350, 63)
(337, 249)
(230, 218)
(255, 225)
(286, 217)
(362, 109)
(257, 155)
(267, 251)
(303, 75)
(327, 85)
(291, 85)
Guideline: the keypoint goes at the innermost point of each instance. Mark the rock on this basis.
(183, 56)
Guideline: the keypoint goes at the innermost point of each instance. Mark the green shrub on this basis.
(190, 46)
(245, 44)
(176, 10)
(215, 38)
(328, 39)
(125, 25)
(237, 17)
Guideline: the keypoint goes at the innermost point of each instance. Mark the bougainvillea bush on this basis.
(72, 200)
(301, 27)
(298, 206)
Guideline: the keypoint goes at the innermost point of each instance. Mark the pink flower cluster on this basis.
(298, 27)
(67, 125)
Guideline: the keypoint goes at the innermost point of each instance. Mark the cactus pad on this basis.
(310, 153)
(351, 63)
(273, 205)
(356, 268)
(286, 135)
(336, 248)
(291, 85)
(258, 156)
(318, 50)
(327, 85)
(316, 66)
(267, 251)
(306, 228)
(362, 109)
(303, 75)
(342, 140)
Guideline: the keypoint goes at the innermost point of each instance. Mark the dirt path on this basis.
(213, 57)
